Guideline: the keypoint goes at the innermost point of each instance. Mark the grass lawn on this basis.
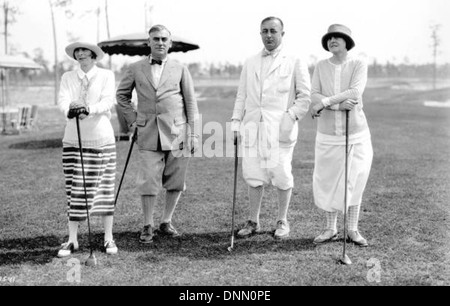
(405, 214)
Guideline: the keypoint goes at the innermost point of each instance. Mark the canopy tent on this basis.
(12, 62)
(137, 44)
(16, 61)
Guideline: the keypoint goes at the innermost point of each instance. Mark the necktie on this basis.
(84, 89)
(157, 62)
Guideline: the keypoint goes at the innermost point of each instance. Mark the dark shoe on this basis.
(356, 238)
(326, 236)
(67, 249)
(146, 235)
(282, 230)
(250, 228)
(167, 229)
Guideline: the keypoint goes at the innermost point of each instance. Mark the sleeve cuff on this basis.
(334, 107)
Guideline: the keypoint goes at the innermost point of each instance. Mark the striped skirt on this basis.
(100, 174)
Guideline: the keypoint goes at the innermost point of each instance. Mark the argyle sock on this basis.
(331, 220)
(353, 217)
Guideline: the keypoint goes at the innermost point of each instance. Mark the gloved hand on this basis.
(73, 112)
(81, 112)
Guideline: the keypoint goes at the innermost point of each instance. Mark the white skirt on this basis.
(329, 172)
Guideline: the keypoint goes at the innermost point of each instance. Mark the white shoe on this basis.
(356, 238)
(282, 230)
(111, 247)
(250, 228)
(325, 236)
(67, 249)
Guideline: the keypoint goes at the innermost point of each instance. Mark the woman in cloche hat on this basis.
(337, 86)
(89, 94)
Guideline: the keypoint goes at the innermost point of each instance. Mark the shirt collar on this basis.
(90, 74)
(273, 53)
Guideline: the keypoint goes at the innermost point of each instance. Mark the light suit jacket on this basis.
(287, 85)
(165, 111)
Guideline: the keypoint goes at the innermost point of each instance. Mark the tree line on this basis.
(228, 70)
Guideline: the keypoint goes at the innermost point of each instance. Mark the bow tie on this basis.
(153, 62)
(267, 53)
(272, 53)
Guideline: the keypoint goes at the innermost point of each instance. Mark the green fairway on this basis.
(405, 212)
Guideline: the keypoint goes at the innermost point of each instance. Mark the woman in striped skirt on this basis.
(337, 86)
(89, 93)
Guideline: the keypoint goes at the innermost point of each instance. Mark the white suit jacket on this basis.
(287, 85)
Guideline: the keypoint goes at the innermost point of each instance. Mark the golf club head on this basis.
(230, 248)
(345, 260)
(91, 261)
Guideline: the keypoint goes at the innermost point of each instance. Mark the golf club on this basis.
(345, 260)
(133, 139)
(236, 162)
(91, 261)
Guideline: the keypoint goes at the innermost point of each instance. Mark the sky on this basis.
(397, 31)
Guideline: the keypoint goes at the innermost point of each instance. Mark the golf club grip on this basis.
(133, 139)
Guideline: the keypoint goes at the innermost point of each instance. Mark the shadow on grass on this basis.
(38, 144)
(38, 250)
(43, 249)
(194, 246)
(208, 246)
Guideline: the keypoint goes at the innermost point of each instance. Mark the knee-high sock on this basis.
(331, 220)
(108, 226)
(73, 231)
(255, 195)
(172, 198)
(148, 207)
(284, 197)
(353, 217)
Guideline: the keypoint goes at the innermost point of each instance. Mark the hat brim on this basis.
(349, 42)
(94, 48)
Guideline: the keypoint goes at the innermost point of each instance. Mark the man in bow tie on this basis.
(273, 94)
(166, 114)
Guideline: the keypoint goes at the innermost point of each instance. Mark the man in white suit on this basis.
(274, 93)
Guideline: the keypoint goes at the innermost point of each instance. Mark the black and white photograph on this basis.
(225, 151)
